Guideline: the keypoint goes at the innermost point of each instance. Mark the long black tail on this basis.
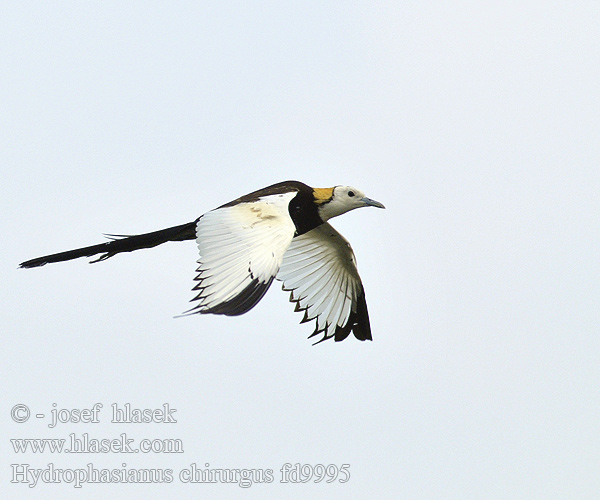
(120, 244)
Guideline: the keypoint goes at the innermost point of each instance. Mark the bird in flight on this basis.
(278, 232)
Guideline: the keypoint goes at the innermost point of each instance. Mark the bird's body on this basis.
(279, 232)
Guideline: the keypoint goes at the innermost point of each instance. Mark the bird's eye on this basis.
(351, 193)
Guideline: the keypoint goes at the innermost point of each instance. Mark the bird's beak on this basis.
(371, 203)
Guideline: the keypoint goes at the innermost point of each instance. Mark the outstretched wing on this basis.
(319, 270)
(241, 248)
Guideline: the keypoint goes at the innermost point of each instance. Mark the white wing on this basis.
(319, 269)
(241, 248)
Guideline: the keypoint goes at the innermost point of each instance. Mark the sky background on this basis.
(476, 124)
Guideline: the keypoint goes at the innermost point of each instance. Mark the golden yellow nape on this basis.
(322, 195)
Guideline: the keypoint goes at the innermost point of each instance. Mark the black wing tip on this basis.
(342, 333)
(358, 321)
(238, 305)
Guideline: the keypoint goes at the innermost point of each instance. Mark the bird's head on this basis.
(341, 199)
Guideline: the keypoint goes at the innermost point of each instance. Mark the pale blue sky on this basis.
(475, 124)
